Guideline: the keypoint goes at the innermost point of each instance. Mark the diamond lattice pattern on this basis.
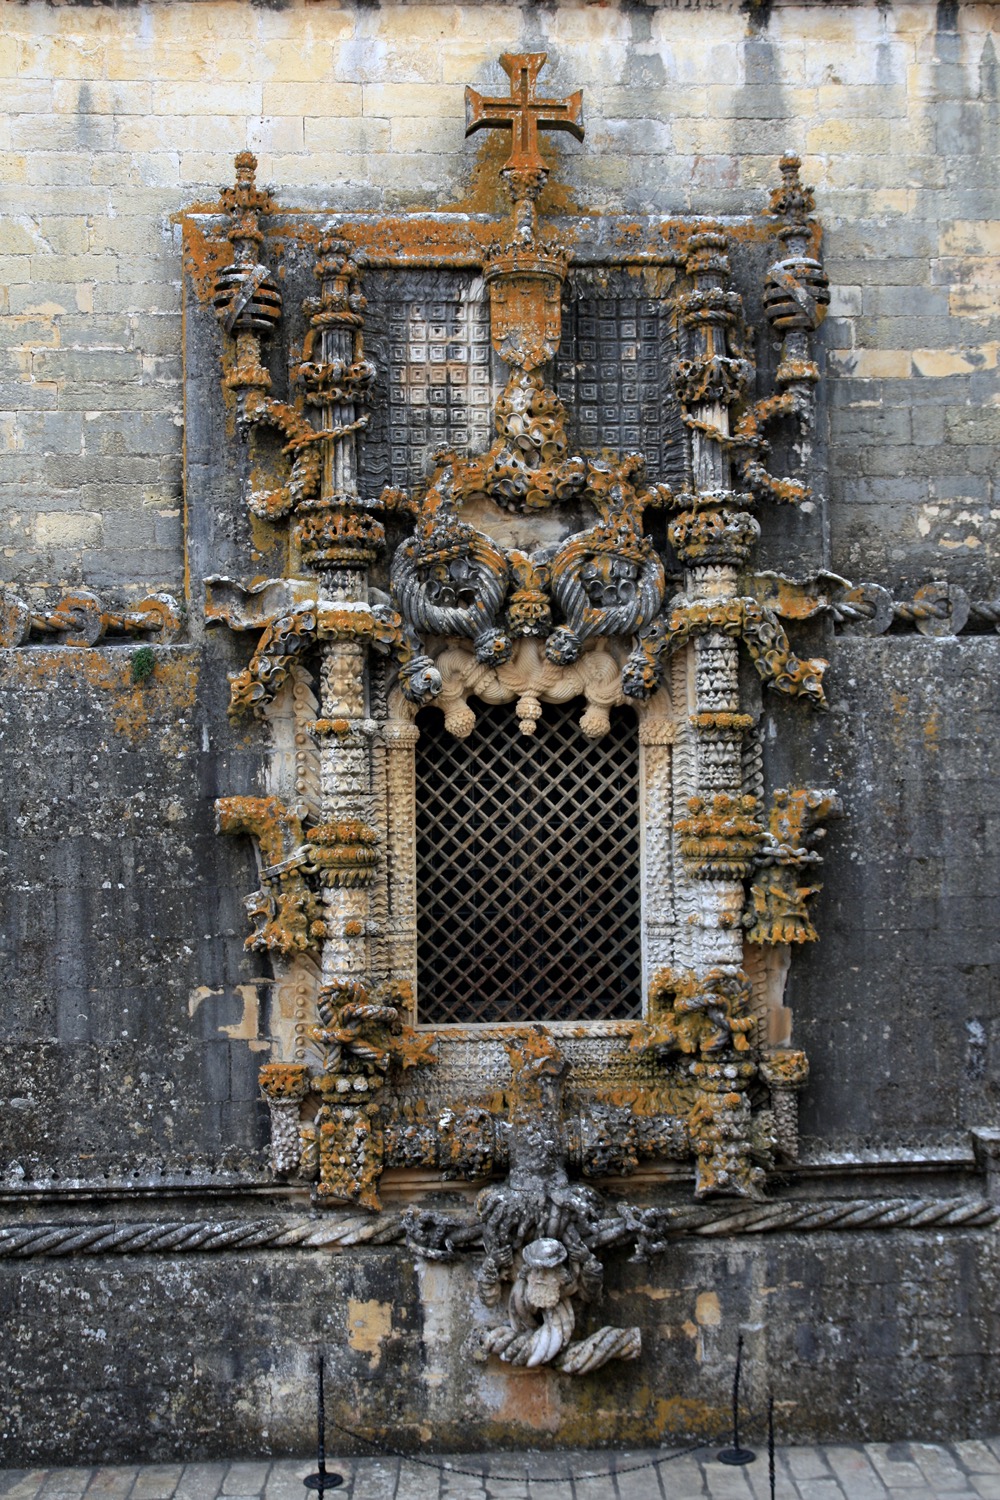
(528, 870)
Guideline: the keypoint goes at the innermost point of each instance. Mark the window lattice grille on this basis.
(528, 870)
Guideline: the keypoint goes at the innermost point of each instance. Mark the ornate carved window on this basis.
(454, 517)
(528, 869)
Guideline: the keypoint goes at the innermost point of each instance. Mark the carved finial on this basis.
(245, 200)
(792, 200)
(524, 114)
(246, 297)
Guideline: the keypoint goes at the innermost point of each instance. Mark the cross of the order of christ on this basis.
(524, 114)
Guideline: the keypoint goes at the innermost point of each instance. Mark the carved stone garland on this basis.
(470, 618)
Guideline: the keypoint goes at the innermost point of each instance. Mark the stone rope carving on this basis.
(79, 617)
(197, 1236)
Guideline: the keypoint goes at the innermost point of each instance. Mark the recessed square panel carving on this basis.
(429, 336)
(528, 870)
(613, 372)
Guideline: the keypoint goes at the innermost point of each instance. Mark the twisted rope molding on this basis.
(171, 1237)
(939, 609)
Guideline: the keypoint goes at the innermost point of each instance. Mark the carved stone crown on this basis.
(526, 260)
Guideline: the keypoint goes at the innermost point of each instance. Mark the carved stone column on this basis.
(712, 538)
(401, 937)
(659, 916)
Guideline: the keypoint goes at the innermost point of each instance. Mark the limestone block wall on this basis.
(116, 120)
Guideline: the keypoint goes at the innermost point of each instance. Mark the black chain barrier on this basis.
(484, 1475)
(323, 1480)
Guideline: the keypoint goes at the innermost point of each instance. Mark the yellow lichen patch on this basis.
(205, 255)
(682, 1414)
(135, 711)
(369, 1324)
(707, 1310)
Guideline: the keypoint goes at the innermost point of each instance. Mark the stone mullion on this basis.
(345, 794)
(401, 854)
(659, 919)
(714, 933)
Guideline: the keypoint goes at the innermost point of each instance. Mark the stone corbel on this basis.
(540, 1231)
(778, 911)
(286, 911)
(707, 1018)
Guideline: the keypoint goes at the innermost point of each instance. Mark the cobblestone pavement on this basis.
(869, 1471)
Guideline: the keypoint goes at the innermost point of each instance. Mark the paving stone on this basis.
(200, 1481)
(158, 1482)
(854, 1473)
(455, 1487)
(284, 1482)
(111, 1482)
(807, 1463)
(818, 1489)
(418, 1482)
(507, 1489)
(21, 1484)
(939, 1468)
(377, 1478)
(679, 1476)
(897, 1473)
(245, 1479)
(836, 1472)
(726, 1484)
(62, 1482)
(757, 1479)
(977, 1456)
(639, 1483)
(921, 1493)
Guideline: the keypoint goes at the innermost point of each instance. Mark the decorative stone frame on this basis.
(341, 668)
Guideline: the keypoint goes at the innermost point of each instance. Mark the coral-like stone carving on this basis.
(779, 895)
(285, 911)
(708, 1018)
(528, 680)
(720, 838)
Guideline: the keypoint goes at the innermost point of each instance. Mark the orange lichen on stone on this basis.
(205, 254)
(699, 1015)
(723, 720)
(137, 711)
(284, 1081)
(720, 838)
(344, 852)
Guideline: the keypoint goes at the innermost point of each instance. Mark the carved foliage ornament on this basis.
(568, 610)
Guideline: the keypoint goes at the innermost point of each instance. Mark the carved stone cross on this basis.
(524, 114)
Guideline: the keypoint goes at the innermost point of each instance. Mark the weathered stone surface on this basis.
(209, 1369)
(133, 1024)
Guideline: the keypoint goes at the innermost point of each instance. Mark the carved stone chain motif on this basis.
(526, 574)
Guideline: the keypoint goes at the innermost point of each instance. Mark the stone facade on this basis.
(152, 1263)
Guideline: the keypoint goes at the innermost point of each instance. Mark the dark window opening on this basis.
(528, 870)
